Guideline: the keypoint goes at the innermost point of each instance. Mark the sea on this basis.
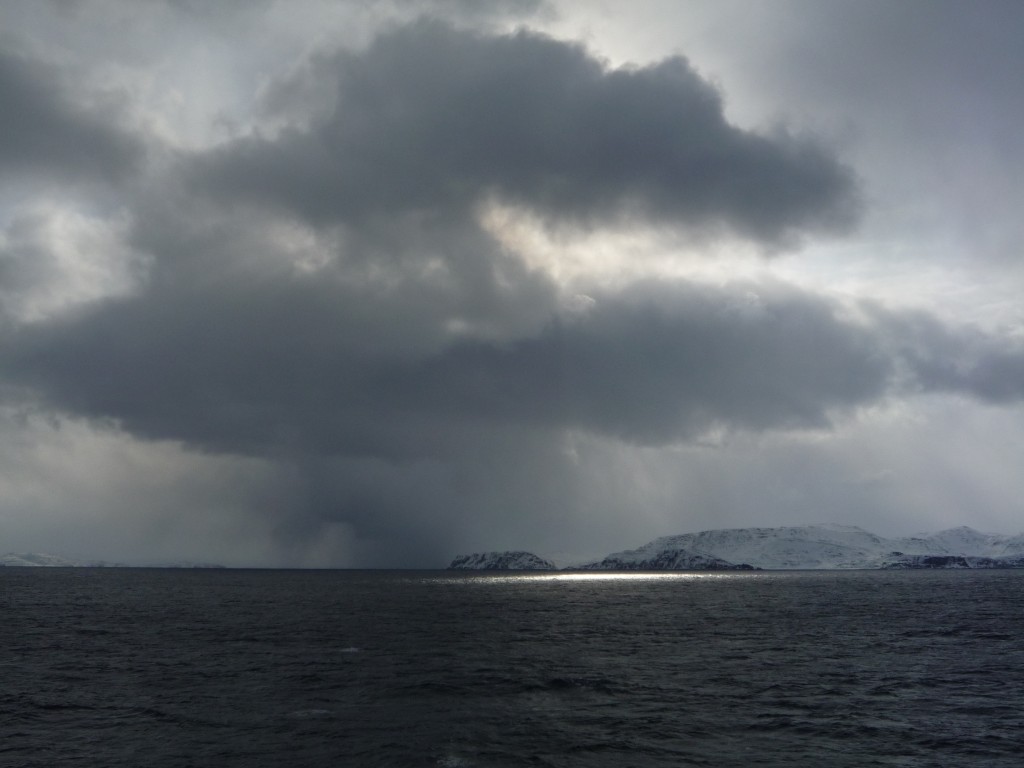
(241, 668)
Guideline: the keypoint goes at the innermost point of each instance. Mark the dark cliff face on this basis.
(954, 561)
(667, 560)
(501, 561)
(685, 561)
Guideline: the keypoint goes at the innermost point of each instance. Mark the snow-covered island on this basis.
(501, 561)
(803, 547)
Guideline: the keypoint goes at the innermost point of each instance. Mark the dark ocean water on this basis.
(109, 667)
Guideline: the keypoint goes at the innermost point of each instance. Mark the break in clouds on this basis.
(321, 296)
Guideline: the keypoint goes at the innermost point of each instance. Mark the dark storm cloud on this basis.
(418, 334)
(432, 118)
(46, 128)
(307, 366)
(489, 489)
(230, 347)
(273, 369)
(937, 357)
(655, 365)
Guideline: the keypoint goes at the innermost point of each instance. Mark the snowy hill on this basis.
(38, 560)
(501, 561)
(963, 541)
(1011, 545)
(32, 559)
(819, 547)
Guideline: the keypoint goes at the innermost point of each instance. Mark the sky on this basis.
(327, 283)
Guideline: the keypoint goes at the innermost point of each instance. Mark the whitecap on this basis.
(310, 714)
(454, 761)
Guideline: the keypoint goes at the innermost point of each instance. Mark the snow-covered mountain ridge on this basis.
(827, 547)
(800, 547)
(36, 560)
(39, 560)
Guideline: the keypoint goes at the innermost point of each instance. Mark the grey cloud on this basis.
(926, 92)
(275, 368)
(430, 118)
(473, 9)
(52, 260)
(307, 366)
(26, 263)
(45, 129)
(231, 348)
(655, 365)
(937, 357)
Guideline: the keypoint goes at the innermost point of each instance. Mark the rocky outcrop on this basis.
(501, 561)
(664, 560)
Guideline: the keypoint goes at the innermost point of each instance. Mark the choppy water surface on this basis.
(271, 668)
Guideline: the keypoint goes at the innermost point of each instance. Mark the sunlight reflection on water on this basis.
(580, 576)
